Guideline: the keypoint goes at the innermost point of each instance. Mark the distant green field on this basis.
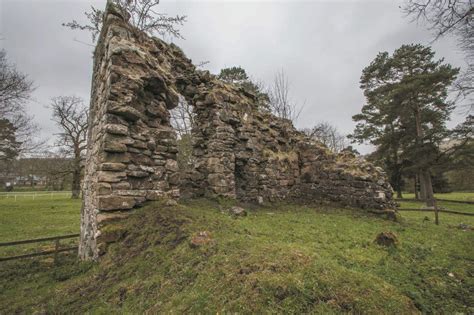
(27, 218)
(32, 215)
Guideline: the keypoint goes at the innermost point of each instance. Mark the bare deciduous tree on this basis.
(15, 88)
(281, 103)
(15, 91)
(451, 17)
(71, 115)
(143, 15)
(182, 117)
(327, 134)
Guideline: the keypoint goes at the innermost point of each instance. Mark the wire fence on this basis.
(33, 194)
(469, 202)
(57, 247)
(439, 210)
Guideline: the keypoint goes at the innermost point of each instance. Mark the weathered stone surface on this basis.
(154, 194)
(121, 186)
(117, 129)
(157, 109)
(104, 189)
(171, 165)
(116, 157)
(108, 217)
(138, 174)
(127, 112)
(116, 167)
(107, 203)
(215, 165)
(115, 147)
(110, 177)
(110, 236)
(217, 180)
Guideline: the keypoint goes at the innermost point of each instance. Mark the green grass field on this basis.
(279, 259)
(43, 216)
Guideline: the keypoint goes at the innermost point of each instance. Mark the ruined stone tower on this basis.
(240, 151)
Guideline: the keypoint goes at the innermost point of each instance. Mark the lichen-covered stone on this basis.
(116, 129)
(106, 203)
(115, 167)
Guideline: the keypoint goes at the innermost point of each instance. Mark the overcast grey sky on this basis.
(321, 45)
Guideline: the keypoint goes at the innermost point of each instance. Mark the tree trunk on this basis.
(76, 181)
(436, 212)
(422, 185)
(417, 186)
(399, 183)
(427, 187)
(398, 186)
(419, 143)
(399, 193)
(430, 202)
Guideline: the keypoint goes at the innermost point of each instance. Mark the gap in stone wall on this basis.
(240, 178)
(182, 121)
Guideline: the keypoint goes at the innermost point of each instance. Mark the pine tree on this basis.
(9, 146)
(406, 111)
(238, 76)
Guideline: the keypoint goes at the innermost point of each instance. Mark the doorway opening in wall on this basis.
(239, 177)
(183, 119)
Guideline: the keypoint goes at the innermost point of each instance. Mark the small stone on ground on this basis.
(171, 203)
(237, 211)
(200, 239)
(387, 239)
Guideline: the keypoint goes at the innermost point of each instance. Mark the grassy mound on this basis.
(283, 259)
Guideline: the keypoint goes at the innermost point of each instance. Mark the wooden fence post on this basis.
(56, 249)
(436, 211)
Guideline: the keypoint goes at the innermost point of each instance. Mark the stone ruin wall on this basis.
(240, 152)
